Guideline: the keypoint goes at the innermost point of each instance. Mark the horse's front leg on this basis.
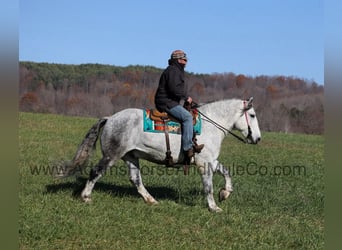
(228, 188)
(207, 179)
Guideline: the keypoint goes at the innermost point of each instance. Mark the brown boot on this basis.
(198, 148)
(190, 153)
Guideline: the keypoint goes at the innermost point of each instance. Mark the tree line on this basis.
(283, 103)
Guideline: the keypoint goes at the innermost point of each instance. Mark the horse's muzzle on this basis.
(250, 140)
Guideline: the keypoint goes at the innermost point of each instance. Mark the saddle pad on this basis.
(173, 127)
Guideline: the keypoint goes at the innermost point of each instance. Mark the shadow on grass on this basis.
(76, 187)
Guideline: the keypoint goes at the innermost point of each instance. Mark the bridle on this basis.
(225, 130)
(249, 135)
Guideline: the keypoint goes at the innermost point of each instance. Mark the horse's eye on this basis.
(252, 116)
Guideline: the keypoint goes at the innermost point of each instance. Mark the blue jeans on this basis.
(185, 118)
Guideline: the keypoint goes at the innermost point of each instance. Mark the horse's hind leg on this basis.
(135, 178)
(95, 174)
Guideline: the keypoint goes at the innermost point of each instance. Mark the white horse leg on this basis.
(228, 188)
(207, 179)
(135, 178)
(95, 174)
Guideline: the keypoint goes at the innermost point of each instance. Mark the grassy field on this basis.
(277, 203)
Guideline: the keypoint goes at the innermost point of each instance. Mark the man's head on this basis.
(180, 56)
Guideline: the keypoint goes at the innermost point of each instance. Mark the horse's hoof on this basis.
(86, 199)
(151, 202)
(223, 194)
(215, 209)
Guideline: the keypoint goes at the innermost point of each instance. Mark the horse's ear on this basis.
(250, 102)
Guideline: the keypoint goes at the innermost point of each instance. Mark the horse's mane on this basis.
(211, 103)
(222, 108)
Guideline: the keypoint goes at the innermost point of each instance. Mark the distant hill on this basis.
(283, 103)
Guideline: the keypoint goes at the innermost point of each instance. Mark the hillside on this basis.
(283, 103)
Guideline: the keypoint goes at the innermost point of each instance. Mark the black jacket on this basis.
(172, 87)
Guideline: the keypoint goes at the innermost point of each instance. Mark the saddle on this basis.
(162, 119)
(158, 116)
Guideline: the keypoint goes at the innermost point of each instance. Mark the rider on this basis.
(172, 90)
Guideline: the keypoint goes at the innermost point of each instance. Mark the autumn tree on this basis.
(283, 103)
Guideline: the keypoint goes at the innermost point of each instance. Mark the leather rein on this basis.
(225, 130)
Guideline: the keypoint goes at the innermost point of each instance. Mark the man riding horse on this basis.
(122, 137)
(172, 90)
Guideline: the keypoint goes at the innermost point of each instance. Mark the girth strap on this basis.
(168, 158)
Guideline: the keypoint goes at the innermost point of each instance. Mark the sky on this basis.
(264, 37)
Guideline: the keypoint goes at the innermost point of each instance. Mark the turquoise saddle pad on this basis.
(173, 127)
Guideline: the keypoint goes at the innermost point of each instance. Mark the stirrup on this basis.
(168, 160)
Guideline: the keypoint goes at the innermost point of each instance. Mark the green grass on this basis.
(277, 203)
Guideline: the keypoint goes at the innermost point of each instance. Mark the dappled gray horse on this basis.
(123, 138)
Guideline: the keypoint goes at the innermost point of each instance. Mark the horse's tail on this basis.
(83, 152)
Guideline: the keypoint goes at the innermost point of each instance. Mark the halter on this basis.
(224, 130)
(249, 127)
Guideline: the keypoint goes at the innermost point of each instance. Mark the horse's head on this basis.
(248, 123)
